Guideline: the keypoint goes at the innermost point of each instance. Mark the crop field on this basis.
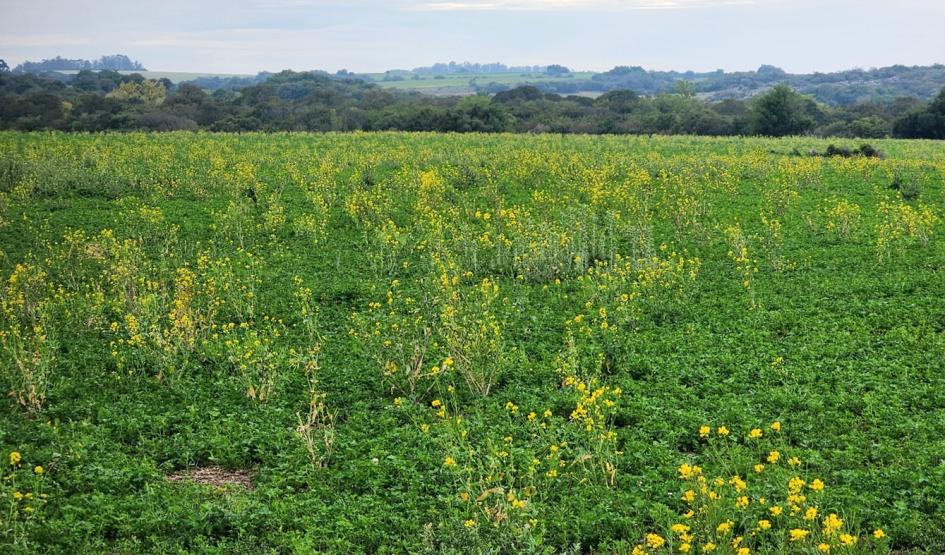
(419, 343)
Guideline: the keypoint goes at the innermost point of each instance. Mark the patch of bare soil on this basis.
(215, 476)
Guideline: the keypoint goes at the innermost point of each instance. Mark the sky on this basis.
(247, 36)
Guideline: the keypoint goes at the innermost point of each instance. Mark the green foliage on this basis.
(562, 313)
(781, 112)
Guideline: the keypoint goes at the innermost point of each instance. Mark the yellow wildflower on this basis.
(776, 426)
(832, 524)
(755, 433)
(798, 534)
(704, 431)
(773, 457)
(15, 458)
(655, 541)
(817, 485)
(723, 431)
(847, 540)
(764, 524)
(879, 534)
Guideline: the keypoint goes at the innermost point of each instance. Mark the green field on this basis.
(451, 84)
(403, 343)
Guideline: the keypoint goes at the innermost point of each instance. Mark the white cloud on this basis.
(41, 40)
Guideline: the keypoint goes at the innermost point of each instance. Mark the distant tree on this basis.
(924, 123)
(780, 112)
(519, 94)
(146, 92)
(621, 102)
(4, 66)
(557, 70)
(686, 88)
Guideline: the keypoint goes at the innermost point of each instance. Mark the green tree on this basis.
(780, 112)
(146, 92)
(686, 88)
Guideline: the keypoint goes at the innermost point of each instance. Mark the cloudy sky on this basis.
(234, 36)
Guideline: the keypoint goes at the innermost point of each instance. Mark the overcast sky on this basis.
(233, 36)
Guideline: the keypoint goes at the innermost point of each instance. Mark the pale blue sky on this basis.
(372, 35)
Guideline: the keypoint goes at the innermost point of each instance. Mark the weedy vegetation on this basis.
(470, 344)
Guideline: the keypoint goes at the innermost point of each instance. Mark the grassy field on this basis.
(403, 343)
(463, 83)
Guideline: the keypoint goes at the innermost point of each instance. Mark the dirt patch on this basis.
(215, 476)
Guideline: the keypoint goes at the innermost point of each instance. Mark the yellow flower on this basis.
(755, 433)
(817, 485)
(723, 431)
(436, 403)
(798, 534)
(708, 548)
(638, 550)
(547, 413)
(794, 461)
(824, 547)
(704, 431)
(759, 468)
(470, 523)
(679, 528)
(39, 470)
(15, 458)
(687, 471)
(532, 416)
(776, 426)
(744, 551)
(398, 401)
(879, 534)
(774, 457)
(689, 496)
(655, 541)
(775, 511)
(725, 527)
(811, 513)
(832, 524)
(764, 524)
(684, 547)
(449, 461)
(847, 540)
(464, 496)
(741, 502)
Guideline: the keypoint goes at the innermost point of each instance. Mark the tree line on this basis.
(317, 101)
